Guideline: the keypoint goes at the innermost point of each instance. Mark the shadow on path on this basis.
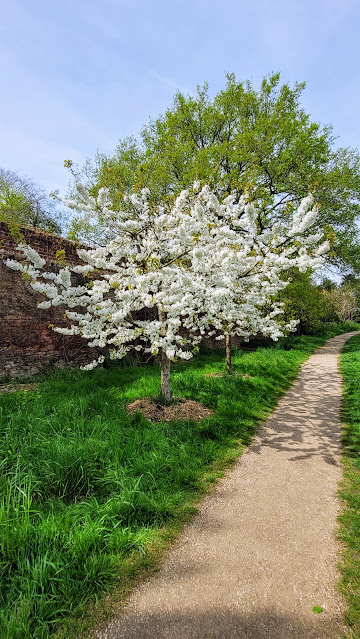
(217, 624)
(305, 420)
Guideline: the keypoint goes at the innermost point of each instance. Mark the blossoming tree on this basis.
(200, 264)
(245, 273)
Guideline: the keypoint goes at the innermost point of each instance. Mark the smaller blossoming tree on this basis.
(248, 270)
(201, 265)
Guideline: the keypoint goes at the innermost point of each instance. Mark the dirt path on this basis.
(261, 553)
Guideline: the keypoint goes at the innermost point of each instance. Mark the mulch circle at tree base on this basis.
(181, 409)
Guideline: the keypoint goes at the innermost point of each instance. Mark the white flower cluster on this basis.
(203, 266)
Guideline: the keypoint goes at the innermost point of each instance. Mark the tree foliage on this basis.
(259, 142)
(316, 304)
(24, 202)
(309, 303)
(344, 301)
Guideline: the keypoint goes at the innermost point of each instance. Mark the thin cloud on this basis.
(169, 82)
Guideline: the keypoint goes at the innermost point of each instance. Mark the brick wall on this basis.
(27, 344)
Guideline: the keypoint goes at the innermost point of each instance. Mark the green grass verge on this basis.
(350, 519)
(91, 496)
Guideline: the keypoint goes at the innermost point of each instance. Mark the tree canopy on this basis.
(258, 142)
(24, 202)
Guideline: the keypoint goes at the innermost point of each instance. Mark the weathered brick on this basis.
(27, 344)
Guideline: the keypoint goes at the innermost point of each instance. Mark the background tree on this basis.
(259, 142)
(24, 202)
(308, 302)
(345, 302)
(315, 304)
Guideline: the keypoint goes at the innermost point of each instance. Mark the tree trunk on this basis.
(228, 352)
(165, 376)
(165, 365)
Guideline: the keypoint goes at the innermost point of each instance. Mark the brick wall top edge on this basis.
(46, 244)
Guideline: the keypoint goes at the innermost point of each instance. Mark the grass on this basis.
(350, 519)
(90, 496)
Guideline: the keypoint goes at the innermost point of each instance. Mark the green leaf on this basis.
(317, 609)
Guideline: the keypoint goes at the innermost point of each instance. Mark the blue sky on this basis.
(78, 75)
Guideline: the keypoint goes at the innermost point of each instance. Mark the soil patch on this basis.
(182, 409)
(12, 388)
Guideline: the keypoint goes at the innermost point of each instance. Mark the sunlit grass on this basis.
(350, 519)
(87, 489)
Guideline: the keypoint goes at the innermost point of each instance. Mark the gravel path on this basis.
(262, 551)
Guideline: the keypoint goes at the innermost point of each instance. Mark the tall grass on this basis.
(87, 488)
(350, 519)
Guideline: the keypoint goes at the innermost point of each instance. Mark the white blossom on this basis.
(201, 266)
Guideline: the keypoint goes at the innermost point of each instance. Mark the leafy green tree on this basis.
(312, 305)
(24, 202)
(259, 142)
